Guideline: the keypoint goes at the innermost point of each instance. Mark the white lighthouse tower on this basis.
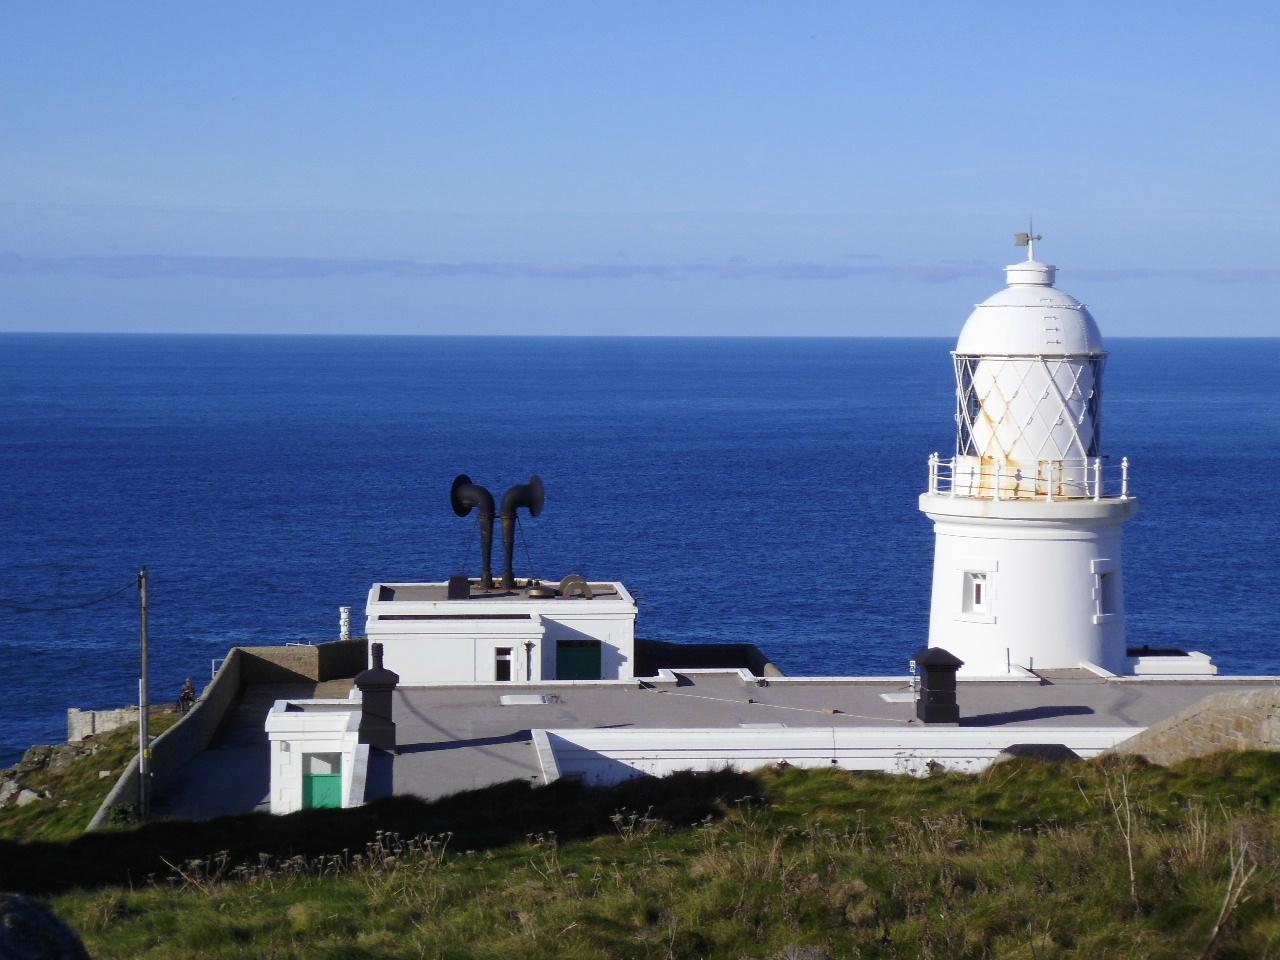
(1028, 514)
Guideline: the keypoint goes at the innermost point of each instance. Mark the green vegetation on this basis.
(75, 790)
(1105, 859)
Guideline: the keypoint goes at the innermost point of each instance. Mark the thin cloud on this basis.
(1202, 274)
(154, 266)
(157, 266)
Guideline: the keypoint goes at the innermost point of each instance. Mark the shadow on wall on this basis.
(478, 819)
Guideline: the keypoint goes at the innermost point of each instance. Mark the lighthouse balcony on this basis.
(989, 478)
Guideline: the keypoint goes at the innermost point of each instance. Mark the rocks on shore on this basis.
(14, 790)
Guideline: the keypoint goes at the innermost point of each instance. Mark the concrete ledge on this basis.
(546, 756)
(606, 756)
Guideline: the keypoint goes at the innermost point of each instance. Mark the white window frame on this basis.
(975, 570)
(1105, 568)
(510, 660)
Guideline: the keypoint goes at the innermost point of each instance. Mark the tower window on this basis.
(977, 592)
(1108, 599)
(502, 663)
(1108, 594)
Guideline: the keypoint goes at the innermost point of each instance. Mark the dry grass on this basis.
(811, 865)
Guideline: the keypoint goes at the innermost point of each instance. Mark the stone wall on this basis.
(85, 723)
(1248, 720)
(315, 662)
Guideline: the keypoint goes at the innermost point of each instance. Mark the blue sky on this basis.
(646, 168)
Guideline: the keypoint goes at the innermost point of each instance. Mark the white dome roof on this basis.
(1030, 318)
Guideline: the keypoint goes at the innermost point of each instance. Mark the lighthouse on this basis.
(1028, 513)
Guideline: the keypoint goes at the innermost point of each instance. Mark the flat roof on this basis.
(459, 737)
(439, 592)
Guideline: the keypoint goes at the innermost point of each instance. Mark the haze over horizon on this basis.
(726, 169)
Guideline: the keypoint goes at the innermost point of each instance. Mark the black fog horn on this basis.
(465, 495)
(530, 496)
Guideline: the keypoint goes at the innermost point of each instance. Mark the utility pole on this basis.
(144, 710)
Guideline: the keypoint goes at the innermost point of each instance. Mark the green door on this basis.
(578, 660)
(321, 781)
(321, 791)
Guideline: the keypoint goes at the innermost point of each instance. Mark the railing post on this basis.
(1124, 478)
(997, 493)
(1097, 478)
(933, 473)
(1050, 462)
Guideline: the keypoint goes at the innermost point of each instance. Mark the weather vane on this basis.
(1028, 239)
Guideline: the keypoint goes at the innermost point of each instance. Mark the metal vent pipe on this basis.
(530, 496)
(466, 495)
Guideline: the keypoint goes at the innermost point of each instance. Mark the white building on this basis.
(1029, 513)
(530, 634)
(317, 759)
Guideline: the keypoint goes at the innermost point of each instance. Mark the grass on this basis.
(1027, 860)
(76, 790)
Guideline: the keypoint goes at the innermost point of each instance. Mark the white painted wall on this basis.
(458, 651)
(293, 734)
(610, 756)
(453, 641)
(1044, 562)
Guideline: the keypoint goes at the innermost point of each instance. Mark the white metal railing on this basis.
(1091, 478)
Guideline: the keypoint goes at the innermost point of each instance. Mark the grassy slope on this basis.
(78, 786)
(1026, 860)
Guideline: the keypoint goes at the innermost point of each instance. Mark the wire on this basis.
(14, 606)
(525, 543)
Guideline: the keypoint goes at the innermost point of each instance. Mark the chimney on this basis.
(376, 684)
(937, 699)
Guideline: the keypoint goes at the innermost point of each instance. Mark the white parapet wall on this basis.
(602, 757)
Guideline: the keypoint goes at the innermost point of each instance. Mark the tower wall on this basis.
(1027, 583)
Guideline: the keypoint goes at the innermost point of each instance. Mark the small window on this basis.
(502, 663)
(1108, 593)
(977, 592)
(321, 764)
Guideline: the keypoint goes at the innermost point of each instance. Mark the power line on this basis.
(14, 606)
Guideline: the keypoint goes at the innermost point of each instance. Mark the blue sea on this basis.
(759, 490)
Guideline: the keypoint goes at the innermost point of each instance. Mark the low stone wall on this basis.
(1248, 720)
(303, 661)
(171, 751)
(86, 723)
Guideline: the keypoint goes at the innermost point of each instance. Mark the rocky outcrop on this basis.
(15, 790)
(29, 931)
(1248, 720)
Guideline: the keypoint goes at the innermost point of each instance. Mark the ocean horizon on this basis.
(748, 489)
